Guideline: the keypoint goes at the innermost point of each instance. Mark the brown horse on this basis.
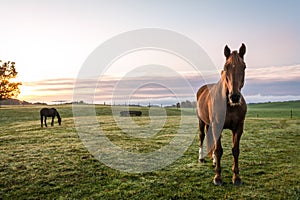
(222, 106)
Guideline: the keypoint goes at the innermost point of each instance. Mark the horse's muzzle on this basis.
(235, 98)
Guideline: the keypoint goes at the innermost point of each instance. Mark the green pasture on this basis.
(52, 163)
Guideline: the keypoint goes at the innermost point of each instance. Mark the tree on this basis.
(186, 104)
(8, 89)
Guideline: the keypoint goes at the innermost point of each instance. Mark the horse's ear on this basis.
(227, 52)
(242, 50)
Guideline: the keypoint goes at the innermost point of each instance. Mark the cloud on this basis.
(267, 98)
(274, 73)
(262, 84)
(51, 82)
(272, 88)
(273, 81)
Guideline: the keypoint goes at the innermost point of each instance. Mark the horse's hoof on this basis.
(201, 160)
(218, 180)
(236, 180)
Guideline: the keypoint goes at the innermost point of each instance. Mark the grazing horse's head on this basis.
(234, 73)
(58, 117)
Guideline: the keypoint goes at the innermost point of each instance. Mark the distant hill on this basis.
(17, 102)
(271, 105)
(276, 105)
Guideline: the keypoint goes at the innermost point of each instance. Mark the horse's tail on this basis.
(41, 116)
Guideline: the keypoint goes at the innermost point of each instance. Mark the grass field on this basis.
(52, 163)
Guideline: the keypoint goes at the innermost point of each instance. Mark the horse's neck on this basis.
(221, 91)
(57, 115)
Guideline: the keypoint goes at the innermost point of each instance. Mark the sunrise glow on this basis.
(51, 40)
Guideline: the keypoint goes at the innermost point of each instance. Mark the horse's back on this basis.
(203, 92)
(204, 102)
(47, 112)
(43, 110)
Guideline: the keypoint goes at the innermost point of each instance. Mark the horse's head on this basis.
(234, 73)
(58, 118)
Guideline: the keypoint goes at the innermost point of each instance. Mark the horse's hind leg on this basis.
(201, 139)
(42, 121)
(218, 153)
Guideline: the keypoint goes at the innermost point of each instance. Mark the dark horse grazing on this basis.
(49, 112)
(130, 113)
(222, 106)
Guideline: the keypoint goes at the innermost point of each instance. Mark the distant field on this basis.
(275, 110)
(52, 163)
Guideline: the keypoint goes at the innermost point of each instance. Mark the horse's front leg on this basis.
(45, 120)
(236, 136)
(52, 122)
(201, 139)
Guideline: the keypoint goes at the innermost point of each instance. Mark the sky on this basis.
(51, 40)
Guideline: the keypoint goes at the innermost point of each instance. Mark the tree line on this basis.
(185, 104)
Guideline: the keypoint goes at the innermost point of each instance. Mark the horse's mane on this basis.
(57, 114)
